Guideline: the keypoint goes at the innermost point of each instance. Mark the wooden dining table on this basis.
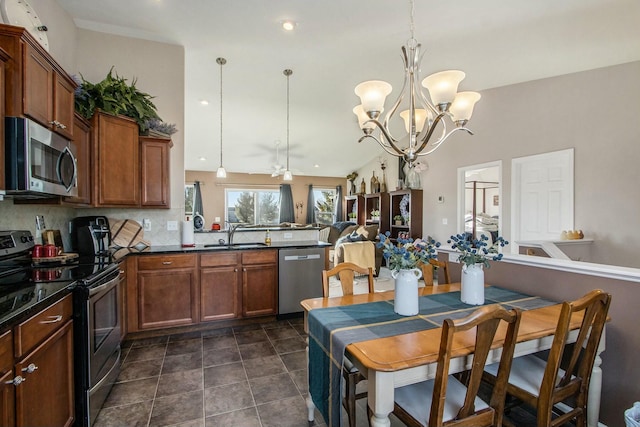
(396, 360)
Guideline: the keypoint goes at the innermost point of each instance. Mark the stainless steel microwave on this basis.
(38, 162)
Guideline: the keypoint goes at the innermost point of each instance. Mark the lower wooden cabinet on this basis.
(259, 283)
(164, 291)
(36, 370)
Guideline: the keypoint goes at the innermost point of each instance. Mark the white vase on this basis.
(406, 291)
(472, 291)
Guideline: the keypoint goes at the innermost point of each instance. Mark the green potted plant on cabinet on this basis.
(398, 219)
(113, 95)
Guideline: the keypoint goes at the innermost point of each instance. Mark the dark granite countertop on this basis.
(201, 248)
(24, 301)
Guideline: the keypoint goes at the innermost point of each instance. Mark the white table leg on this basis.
(595, 386)
(310, 406)
(380, 397)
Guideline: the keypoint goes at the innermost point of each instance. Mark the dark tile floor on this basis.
(248, 376)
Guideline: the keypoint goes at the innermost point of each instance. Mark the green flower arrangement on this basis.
(407, 253)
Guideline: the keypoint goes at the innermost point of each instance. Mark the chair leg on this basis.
(350, 397)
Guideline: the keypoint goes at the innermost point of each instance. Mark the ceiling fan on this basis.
(278, 169)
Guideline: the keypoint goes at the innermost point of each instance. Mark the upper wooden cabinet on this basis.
(128, 170)
(82, 141)
(36, 85)
(116, 161)
(154, 172)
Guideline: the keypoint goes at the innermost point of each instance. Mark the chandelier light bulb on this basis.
(221, 172)
(372, 96)
(421, 117)
(443, 86)
(462, 107)
(362, 118)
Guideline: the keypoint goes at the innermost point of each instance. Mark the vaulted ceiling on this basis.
(337, 44)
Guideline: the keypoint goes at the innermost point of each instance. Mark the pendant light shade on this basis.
(221, 173)
(288, 176)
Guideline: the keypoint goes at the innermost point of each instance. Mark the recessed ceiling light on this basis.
(203, 158)
(204, 102)
(288, 25)
(316, 166)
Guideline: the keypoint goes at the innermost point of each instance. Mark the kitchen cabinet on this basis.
(166, 292)
(116, 161)
(37, 86)
(220, 295)
(4, 57)
(41, 387)
(7, 392)
(82, 141)
(154, 172)
(406, 202)
(259, 282)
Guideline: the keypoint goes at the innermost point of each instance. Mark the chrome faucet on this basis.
(232, 230)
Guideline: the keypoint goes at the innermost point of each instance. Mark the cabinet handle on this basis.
(16, 381)
(244, 269)
(53, 123)
(167, 262)
(121, 271)
(30, 369)
(235, 270)
(54, 319)
(61, 125)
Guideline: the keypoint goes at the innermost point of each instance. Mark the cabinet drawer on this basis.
(219, 259)
(259, 257)
(159, 262)
(37, 328)
(6, 352)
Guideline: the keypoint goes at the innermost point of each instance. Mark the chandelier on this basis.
(221, 172)
(422, 117)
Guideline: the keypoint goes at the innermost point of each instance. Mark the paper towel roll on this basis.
(187, 234)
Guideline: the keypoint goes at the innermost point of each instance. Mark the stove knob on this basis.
(24, 239)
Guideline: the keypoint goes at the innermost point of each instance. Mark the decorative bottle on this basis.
(373, 182)
(267, 238)
(363, 187)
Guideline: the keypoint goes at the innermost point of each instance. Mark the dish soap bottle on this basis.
(267, 239)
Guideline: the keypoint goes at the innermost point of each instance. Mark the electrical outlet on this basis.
(288, 235)
(146, 224)
(445, 221)
(216, 219)
(172, 225)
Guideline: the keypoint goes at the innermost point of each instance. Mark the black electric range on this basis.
(24, 284)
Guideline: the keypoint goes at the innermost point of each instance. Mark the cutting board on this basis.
(126, 233)
(62, 258)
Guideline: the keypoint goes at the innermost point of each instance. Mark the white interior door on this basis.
(542, 187)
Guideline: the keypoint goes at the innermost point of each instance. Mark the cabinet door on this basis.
(82, 141)
(7, 391)
(116, 159)
(38, 87)
(63, 106)
(167, 298)
(220, 296)
(154, 172)
(259, 290)
(45, 398)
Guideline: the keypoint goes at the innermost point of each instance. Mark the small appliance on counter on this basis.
(90, 235)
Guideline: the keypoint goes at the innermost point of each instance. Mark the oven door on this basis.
(104, 328)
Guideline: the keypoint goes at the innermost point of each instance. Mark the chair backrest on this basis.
(429, 270)
(578, 362)
(346, 272)
(485, 321)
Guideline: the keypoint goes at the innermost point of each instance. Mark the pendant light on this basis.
(221, 173)
(287, 173)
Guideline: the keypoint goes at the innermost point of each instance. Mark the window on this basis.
(189, 199)
(325, 199)
(252, 206)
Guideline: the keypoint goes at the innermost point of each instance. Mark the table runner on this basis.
(332, 329)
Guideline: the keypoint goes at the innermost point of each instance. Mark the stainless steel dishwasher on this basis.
(300, 277)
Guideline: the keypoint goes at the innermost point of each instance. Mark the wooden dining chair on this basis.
(346, 272)
(429, 270)
(445, 401)
(566, 373)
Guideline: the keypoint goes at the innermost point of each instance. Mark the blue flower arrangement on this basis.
(477, 251)
(407, 253)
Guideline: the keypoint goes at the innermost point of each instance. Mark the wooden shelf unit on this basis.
(354, 203)
(415, 213)
(379, 202)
